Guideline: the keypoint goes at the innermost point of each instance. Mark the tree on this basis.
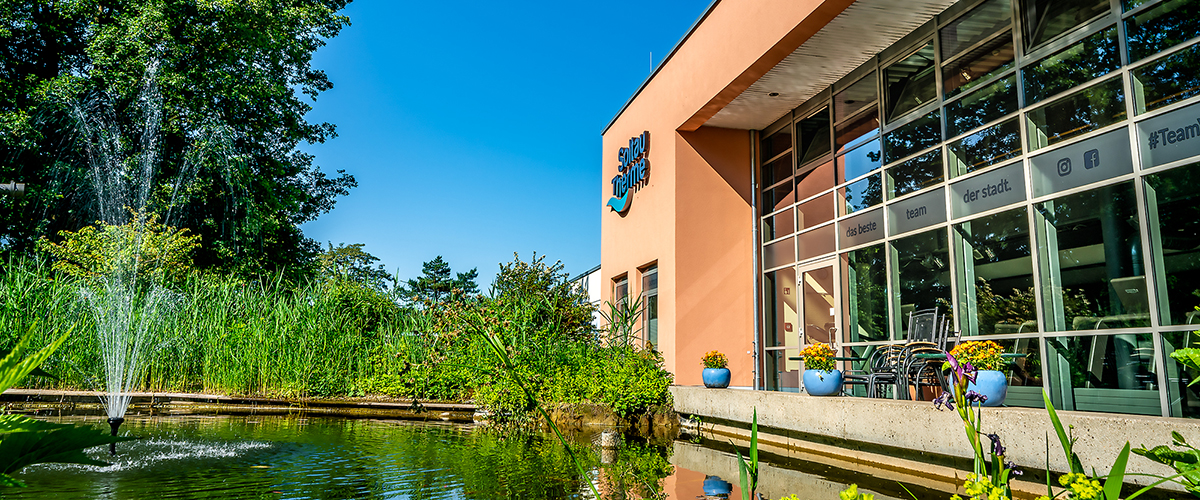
(435, 286)
(355, 264)
(232, 80)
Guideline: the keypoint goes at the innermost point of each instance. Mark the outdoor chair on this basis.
(920, 372)
(886, 368)
(880, 367)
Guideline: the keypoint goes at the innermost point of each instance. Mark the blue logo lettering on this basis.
(633, 170)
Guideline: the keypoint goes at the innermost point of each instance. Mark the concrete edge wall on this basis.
(918, 426)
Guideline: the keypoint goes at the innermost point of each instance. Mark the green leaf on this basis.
(1165, 455)
(1190, 358)
(14, 366)
(1072, 458)
(743, 476)
(1116, 476)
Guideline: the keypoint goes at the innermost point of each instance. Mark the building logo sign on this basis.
(633, 170)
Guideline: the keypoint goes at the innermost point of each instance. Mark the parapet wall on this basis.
(933, 436)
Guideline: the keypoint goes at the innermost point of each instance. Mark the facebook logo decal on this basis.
(1091, 159)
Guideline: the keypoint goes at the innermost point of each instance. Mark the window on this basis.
(777, 171)
(982, 106)
(1090, 58)
(922, 275)
(862, 194)
(1046, 19)
(815, 212)
(915, 174)
(996, 274)
(859, 162)
(857, 114)
(650, 304)
(978, 66)
(1091, 257)
(620, 288)
(775, 144)
(778, 225)
(911, 82)
(1161, 27)
(975, 26)
(1168, 80)
(985, 148)
(1082, 112)
(782, 334)
(813, 137)
(864, 297)
(1173, 212)
(922, 133)
(1107, 373)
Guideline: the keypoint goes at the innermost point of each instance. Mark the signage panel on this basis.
(860, 229)
(995, 189)
(917, 212)
(1170, 137)
(1096, 159)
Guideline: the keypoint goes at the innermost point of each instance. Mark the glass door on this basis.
(800, 308)
(818, 296)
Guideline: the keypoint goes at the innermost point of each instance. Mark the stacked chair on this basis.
(898, 364)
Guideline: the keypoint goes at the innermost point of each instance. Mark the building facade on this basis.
(813, 171)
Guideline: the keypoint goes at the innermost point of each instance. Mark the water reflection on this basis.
(293, 457)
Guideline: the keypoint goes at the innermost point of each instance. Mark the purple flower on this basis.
(997, 448)
(944, 399)
(1013, 467)
(961, 371)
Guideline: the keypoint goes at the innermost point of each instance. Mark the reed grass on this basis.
(332, 338)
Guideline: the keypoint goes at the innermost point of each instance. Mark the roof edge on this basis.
(662, 63)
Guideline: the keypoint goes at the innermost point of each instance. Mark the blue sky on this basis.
(473, 128)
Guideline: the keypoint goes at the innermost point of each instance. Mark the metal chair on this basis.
(919, 372)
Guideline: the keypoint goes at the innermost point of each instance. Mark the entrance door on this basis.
(818, 289)
(799, 309)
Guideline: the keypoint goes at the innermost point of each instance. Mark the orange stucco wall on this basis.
(693, 217)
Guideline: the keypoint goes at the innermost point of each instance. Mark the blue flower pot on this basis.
(716, 378)
(716, 487)
(823, 383)
(990, 383)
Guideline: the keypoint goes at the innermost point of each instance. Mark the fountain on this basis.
(130, 298)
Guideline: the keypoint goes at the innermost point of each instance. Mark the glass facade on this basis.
(1027, 168)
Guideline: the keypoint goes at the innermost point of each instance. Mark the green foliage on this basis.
(748, 471)
(1186, 462)
(152, 249)
(1189, 358)
(352, 263)
(339, 337)
(623, 320)
(25, 441)
(436, 286)
(233, 78)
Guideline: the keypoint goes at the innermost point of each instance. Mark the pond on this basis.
(307, 457)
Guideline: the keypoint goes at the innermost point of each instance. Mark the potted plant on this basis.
(715, 374)
(984, 356)
(820, 377)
